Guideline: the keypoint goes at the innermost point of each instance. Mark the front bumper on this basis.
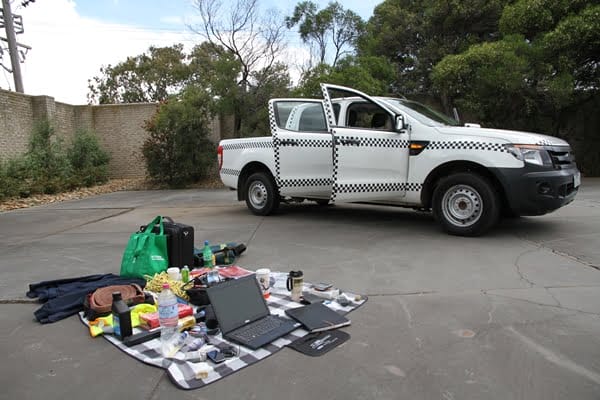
(533, 190)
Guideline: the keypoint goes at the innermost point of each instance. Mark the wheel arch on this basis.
(453, 167)
(248, 170)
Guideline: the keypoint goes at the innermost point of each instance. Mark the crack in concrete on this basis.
(553, 297)
(255, 230)
(155, 388)
(543, 245)
(35, 240)
(518, 268)
(545, 305)
(409, 318)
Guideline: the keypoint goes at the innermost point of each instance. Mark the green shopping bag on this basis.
(146, 252)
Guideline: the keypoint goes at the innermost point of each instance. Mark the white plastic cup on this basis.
(173, 273)
(263, 276)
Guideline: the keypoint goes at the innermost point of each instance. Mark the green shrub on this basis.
(46, 161)
(178, 151)
(47, 167)
(88, 160)
(17, 179)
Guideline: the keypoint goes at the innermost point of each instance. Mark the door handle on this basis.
(354, 142)
(289, 142)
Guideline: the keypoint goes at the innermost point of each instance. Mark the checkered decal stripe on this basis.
(335, 168)
(249, 145)
(466, 145)
(327, 105)
(378, 187)
(306, 182)
(272, 121)
(228, 171)
(413, 187)
(186, 375)
(374, 142)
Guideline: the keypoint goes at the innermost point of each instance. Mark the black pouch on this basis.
(225, 253)
(318, 343)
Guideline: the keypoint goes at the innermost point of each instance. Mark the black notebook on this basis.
(317, 317)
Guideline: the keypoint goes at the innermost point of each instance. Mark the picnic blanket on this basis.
(191, 375)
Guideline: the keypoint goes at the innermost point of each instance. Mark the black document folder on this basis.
(317, 317)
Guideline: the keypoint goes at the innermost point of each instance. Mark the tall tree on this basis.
(332, 24)
(372, 75)
(148, 77)
(538, 77)
(254, 40)
(416, 34)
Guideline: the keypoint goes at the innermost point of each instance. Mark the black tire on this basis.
(322, 202)
(465, 204)
(262, 197)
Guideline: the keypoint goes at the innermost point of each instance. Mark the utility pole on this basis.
(12, 46)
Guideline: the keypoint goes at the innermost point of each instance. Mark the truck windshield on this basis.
(421, 112)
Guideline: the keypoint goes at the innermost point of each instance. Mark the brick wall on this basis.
(16, 123)
(118, 126)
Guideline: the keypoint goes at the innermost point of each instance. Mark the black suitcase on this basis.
(180, 242)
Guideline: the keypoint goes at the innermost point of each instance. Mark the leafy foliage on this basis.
(46, 161)
(371, 75)
(178, 150)
(50, 167)
(334, 23)
(537, 76)
(415, 35)
(148, 77)
(89, 161)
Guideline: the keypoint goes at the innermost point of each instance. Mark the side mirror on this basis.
(400, 123)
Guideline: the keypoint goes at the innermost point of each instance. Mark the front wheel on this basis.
(465, 204)
(262, 197)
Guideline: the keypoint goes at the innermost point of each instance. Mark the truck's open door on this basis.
(370, 158)
(302, 147)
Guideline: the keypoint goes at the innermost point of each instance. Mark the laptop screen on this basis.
(237, 302)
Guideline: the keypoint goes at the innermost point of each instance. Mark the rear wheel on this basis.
(465, 204)
(262, 197)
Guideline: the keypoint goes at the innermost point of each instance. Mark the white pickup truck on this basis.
(351, 147)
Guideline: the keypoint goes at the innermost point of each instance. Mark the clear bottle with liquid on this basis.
(168, 316)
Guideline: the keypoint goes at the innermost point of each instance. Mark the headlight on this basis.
(529, 153)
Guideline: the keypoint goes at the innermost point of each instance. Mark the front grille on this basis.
(561, 158)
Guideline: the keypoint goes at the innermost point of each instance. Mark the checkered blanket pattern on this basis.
(190, 375)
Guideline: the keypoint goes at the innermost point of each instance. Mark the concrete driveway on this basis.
(512, 315)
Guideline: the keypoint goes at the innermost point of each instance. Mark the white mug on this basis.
(263, 276)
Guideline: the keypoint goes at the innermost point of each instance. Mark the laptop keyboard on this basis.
(257, 328)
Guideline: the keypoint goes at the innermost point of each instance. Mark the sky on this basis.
(71, 39)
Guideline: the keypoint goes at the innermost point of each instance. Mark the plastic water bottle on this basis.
(168, 316)
(207, 256)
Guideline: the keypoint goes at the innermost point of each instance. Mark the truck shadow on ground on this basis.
(407, 219)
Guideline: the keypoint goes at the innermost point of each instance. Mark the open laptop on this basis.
(243, 314)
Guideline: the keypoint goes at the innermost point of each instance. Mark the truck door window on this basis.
(300, 116)
(368, 116)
